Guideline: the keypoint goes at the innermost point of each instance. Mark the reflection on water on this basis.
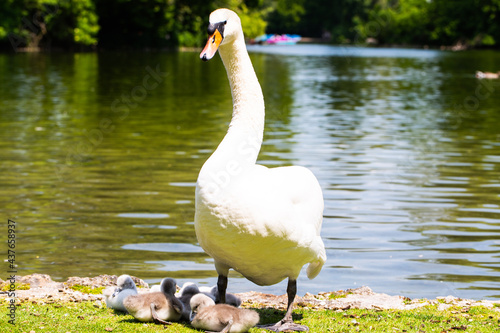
(100, 154)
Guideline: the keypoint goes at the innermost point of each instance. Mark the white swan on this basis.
(206, 315)
(116, 295)
(264, 223)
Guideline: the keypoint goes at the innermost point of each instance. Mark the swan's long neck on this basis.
(244, 137)
(248, 102)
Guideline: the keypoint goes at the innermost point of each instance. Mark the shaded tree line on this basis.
(473, 23)
(90, 24)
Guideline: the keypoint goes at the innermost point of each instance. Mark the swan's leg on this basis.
(291, 291)
(287, 324)
(156, 319)
(221, 288)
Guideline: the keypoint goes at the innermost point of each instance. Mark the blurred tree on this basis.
(191, 22)
(26, 22)
(401, 22)
(474, 22)
(438, 22)
(332, 19)
(136, 23)
(74, 22)
(10, 14)
(33, 23)
(287, 16)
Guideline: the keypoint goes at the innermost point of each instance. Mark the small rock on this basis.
(35, 280)
(442, 307)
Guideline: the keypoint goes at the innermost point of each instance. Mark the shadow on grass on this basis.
(132, 320)
(271, 315)
(267, 315)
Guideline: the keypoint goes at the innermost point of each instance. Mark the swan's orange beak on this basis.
(213, 43)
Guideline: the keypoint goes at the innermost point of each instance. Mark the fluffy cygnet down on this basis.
(213, 292)
(160, 306)
(188, 290)
(116, 295)
(207, 315)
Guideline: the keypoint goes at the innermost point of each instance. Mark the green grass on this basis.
(85, 317)
(88, 289)
(339, 294)
(17, 286)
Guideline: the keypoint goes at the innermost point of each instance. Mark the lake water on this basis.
(100, 153)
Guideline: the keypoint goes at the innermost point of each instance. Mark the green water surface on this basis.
(100, 153)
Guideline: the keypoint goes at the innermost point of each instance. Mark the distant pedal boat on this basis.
(273, 39)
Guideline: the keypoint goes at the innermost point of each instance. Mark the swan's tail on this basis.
(315, 266)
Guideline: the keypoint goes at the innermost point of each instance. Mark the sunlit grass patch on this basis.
(6, 286)
(88, 289)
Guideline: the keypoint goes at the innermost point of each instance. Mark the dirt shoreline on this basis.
(43, 290)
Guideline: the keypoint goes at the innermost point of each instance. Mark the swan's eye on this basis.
(225, 22)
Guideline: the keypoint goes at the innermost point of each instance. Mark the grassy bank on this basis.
(94, 317)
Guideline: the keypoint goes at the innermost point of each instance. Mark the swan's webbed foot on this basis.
(156, 319)
(285, 326)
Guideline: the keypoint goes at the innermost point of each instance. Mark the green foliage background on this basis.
(88, 24)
